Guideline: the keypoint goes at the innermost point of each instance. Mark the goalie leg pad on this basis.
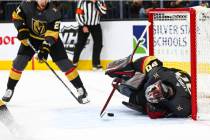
(135, 81)
(138, 98)
(125, 90)
(134, 107)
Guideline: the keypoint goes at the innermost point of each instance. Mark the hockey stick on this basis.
(53, 71)
(102, 113)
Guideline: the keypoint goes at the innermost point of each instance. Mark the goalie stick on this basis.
(53, 71)
(110, 96)
(117, 82)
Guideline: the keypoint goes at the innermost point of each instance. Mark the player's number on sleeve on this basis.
(184, 78)
(57, 25)
(18, 10)
(150, 66)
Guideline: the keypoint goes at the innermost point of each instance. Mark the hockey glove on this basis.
(115, 82)
(23, 34)
(122, 68)
(43, 52)
(25, 42)
(23, 37)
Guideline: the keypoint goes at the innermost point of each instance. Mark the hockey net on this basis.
(181, 39)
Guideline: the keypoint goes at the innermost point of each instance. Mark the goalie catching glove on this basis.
(43, 52)
(122, 68)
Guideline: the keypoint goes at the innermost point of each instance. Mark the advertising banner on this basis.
(119, 40)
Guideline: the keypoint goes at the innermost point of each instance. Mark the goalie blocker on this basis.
(151, 88)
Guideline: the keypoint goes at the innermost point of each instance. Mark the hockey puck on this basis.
(110, 114)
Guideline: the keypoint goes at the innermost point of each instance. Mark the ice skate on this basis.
(8, 95)
(97, 68)
(82, 96)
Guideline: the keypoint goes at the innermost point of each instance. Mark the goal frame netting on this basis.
(193, 67)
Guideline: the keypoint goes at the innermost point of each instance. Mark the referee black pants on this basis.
(96, 33)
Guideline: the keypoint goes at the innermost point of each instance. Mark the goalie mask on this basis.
(158, 92)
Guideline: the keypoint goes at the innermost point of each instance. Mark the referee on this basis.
(88, 16)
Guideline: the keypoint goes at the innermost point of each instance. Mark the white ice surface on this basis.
(45, 110)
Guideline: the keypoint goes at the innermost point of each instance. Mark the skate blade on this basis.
(85, 101)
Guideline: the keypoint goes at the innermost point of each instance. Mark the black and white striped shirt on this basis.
(88, 12)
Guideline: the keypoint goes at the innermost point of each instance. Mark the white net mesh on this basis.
(203, 63)
(172, 44)
(171, 38)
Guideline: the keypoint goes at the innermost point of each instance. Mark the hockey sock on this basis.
(74, 78)
(19, 65)
(1, 104)
(14, 77)
(77, 82)
(70, 71)
(11, 84)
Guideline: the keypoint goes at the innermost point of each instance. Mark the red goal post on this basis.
(174, 38)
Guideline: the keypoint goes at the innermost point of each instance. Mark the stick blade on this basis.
(102, 114)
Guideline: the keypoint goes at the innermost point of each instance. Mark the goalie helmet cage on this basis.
(180, 37)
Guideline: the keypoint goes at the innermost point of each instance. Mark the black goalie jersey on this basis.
(178, 105)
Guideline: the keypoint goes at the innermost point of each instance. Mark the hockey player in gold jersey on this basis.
(38, 23)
